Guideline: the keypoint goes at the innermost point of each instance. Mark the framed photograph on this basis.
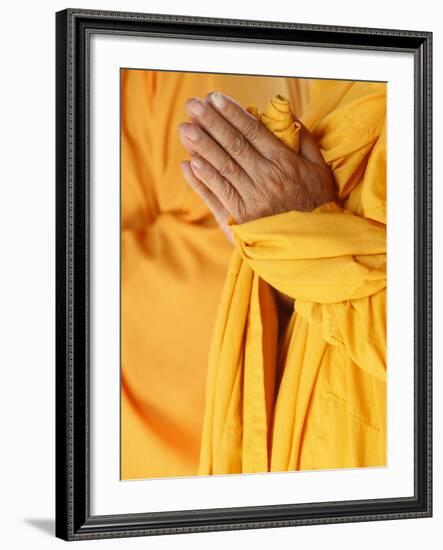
(243, 274)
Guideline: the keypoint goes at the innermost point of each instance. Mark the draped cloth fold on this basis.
(316, 397)
(174, 259)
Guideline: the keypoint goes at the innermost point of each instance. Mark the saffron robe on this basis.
(174, 260)
(315, 399)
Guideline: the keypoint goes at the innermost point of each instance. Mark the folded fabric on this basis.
(316, 397)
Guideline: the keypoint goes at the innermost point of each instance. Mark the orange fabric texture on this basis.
(174, 262)
(314, 399)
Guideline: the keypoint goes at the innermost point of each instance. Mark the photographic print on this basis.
(253, 289)
(243, 274)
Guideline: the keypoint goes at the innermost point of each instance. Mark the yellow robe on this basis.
(316, 399)
(174, 263)
(322, 408)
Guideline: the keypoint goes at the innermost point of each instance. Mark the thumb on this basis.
(308, 148)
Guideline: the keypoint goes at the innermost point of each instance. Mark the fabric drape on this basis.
(315, 399)
(174, 260)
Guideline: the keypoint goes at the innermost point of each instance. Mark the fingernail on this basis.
(196, 106)
(197, 163)
(191, 133)
(218, 100)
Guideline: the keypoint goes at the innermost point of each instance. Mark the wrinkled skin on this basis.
(240, 169)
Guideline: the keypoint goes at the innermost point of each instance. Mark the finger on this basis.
(308, 147)
(219, 212)
(228, 137)
(196, 140)
(253, 130)
(218, 185)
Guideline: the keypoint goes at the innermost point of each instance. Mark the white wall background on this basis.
(27, 272)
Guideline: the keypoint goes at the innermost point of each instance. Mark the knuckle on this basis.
(252, 130)
(227, 193)
(228, 167)
(238, 145)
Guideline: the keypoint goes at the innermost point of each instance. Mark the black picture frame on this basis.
(73, 518)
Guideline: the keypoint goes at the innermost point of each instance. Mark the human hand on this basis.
(240, 169)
